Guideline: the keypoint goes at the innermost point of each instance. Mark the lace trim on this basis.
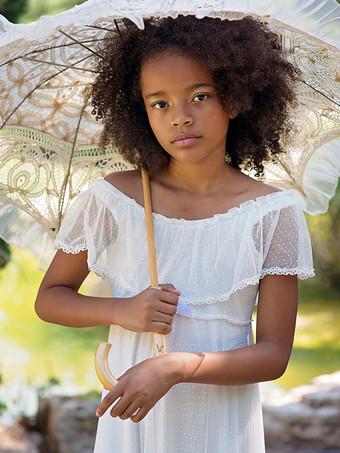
(183, 308)
(69, 249)
(100, 272)
(301, 273)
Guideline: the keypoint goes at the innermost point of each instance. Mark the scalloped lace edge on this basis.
(301, 273)
(69, 249)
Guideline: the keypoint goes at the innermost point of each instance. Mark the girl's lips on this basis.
(186, 142)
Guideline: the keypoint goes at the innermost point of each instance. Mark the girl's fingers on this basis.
(143, 411)
(162, 317)
(161, 327)
(120, 407)
(108, 400)
(169, 287)
(130, 410)
(168, 296)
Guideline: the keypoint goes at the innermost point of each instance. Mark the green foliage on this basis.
(13, 9)
(5, 253)
(91, 395)
(45, 353)
(3, 407)
(317, 341)
(324, 230)
(51, 381)
(38, 8)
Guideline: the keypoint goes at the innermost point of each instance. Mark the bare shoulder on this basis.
(255, 188)
(261, 188)
(249, 187)
(122, 176)
(127, 181)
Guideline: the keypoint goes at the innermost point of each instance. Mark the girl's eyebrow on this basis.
(195, 85)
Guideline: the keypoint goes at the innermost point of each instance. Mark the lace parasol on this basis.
(48, 136)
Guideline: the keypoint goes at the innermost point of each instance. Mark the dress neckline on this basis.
(229, 213)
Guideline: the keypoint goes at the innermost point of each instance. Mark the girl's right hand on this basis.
(151, 310)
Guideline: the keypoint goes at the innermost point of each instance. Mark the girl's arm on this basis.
(264, 361)
(59, 302)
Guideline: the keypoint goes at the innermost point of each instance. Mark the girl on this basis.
(193, 101)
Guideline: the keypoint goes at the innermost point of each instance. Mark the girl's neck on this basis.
(201, 180)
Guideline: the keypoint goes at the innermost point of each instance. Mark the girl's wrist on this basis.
(180, 365)
(112, 310)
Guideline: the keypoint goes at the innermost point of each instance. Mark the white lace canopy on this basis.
(48, 136)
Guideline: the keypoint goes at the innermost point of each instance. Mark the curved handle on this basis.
(102, 367)
(159, 341)
(101, 364)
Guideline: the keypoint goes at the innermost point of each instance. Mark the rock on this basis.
(68, 424)
(306, 418)
(321, 398)
(15, 439)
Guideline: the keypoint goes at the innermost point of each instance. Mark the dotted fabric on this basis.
(216, 263)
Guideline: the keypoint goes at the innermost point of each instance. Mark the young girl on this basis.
(193, 101)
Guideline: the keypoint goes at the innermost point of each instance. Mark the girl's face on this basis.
(180, 98)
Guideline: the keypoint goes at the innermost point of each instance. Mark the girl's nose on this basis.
(182, 117)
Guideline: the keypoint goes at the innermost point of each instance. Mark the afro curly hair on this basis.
(249, 70)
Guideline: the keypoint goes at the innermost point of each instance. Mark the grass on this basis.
(31, 349)
(317, 339)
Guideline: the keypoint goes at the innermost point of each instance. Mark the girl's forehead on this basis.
(174, 70)
(171, 56)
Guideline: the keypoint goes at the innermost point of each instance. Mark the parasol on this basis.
(48, 136)
(48, 149)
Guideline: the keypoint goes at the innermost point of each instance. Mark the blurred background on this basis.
(40, 356)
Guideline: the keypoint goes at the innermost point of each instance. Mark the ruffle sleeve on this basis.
(88, 225)
(286, 243)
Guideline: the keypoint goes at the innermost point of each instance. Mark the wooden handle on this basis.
(159, 341)
(150, 235)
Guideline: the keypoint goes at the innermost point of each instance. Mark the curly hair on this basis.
(249, 70)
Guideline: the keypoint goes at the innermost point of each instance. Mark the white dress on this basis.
(216, 263)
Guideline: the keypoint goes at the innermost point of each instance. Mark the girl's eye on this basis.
(201, 94)
(164, 102)
(157, 103)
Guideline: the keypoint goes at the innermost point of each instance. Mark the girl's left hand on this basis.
(141, 387)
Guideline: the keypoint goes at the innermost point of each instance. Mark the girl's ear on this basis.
(231, 111)
(233, 114)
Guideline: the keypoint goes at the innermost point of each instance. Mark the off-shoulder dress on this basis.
(216, 263)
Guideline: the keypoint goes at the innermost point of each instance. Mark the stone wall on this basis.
(68, 424)
(305, 419)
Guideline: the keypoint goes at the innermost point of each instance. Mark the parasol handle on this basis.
(159, 342)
